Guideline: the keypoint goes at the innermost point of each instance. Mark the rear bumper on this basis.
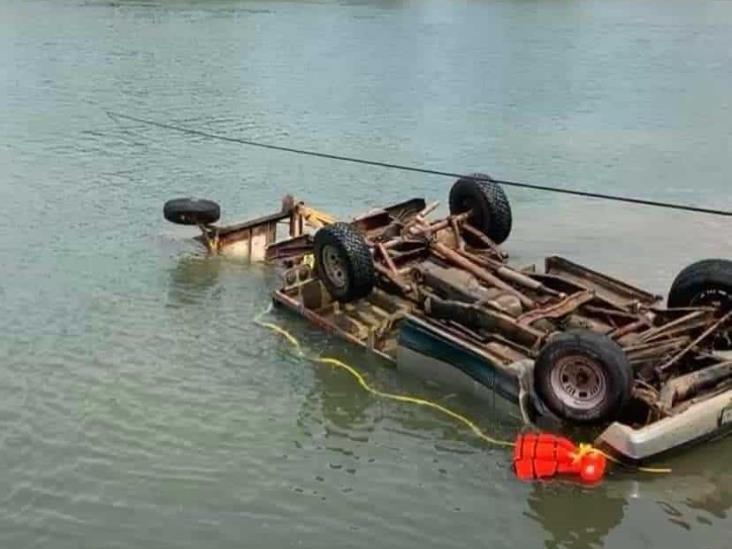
(703, 420)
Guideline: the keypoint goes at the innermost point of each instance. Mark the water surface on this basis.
(138, 405)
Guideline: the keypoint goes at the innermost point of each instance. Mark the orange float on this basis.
(539, 456)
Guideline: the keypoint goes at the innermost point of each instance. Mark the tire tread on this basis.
(360, 264)
(492, 199)
(697, 276)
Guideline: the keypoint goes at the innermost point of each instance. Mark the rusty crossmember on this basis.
(557, 310)
(709, 331)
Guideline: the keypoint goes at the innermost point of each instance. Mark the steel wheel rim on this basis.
(578, 381)
(333, 266)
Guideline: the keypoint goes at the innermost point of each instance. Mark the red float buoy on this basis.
(538, 456)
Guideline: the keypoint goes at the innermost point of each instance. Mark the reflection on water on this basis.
(712, 497)
(701, 484)
(573, 516)
(337, 399)
(194, 278)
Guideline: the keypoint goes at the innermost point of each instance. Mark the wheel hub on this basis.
(334, 267)
(579, 382)
(476, 216)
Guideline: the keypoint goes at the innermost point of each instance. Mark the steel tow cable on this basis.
(390, 165)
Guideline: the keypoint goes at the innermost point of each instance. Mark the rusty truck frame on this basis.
(438, 297)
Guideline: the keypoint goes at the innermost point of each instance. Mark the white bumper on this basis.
(702, 420)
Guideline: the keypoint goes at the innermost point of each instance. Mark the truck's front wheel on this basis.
(706, 283)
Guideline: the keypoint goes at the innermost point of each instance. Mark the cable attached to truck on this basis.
(535, 455)
(116, 116)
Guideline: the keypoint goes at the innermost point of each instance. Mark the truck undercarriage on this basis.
(565, 341)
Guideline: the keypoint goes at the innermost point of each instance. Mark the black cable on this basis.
(546, 188)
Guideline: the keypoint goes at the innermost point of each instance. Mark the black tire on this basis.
(707, 282)
(191, 211)
(491, 210)
(343, 262)
(583, 377)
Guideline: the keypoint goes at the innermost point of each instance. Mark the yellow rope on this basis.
(284, 333)
(390, 396)
(413, 400)
(583, 448)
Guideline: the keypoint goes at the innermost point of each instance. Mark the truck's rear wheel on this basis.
(706, 283)
(488, 204)
(583, 377)
(343, 262)
(191, 211)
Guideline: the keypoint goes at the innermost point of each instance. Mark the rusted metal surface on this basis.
(394, 277)
(557, 310)
(510, 274)
(460, 261)
(634, 326)
(708, 332)
(623, 295)
(389, 262)
(291, 248)
(318, 320)
(475, 233)
(689, 385)
(478, 317)
(674, 327)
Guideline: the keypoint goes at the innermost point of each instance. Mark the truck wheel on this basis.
(707, 282)
(191, 211)
(343, 262)
(491, 211)
(583, 377)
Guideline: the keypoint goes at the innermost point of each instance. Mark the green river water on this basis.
(140, 408)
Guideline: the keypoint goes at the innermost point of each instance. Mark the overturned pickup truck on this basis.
(439, 298)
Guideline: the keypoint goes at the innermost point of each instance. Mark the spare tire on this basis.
(707, 282)
(343, 262)
(191, 211)
(583, 377)
(491, 210)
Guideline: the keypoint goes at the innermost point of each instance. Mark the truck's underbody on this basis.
(438, 297)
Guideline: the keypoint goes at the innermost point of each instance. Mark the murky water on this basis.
(139, 407)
